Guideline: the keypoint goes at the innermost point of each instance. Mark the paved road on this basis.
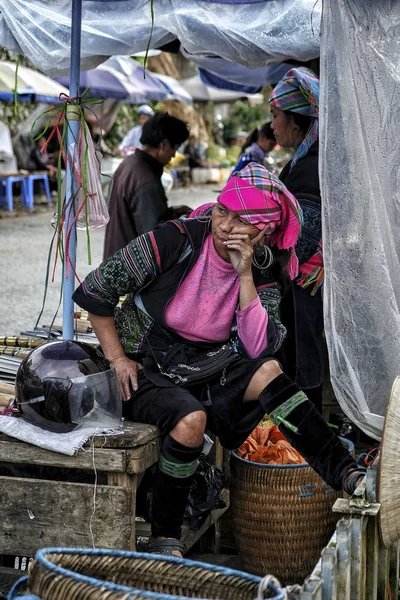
(24, 248)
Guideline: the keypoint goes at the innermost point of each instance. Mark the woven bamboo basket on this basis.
(282, 517)
(72, 574)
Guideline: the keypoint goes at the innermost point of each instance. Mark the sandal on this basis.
(167, 546)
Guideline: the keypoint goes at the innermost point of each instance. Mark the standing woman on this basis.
(257, 146)
(294, 109)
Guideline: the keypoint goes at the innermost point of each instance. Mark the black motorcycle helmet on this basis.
(61, 384)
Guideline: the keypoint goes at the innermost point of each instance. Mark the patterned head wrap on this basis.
(260, 198)
(298, 91)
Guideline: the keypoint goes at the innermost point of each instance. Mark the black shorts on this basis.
(228, 417)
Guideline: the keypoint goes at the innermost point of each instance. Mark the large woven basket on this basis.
(75, 574)
(282, 517)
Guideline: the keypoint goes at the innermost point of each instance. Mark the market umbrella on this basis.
(136, 76)
(204, 93)
(31, 85)
(107, 82)
(174, 89)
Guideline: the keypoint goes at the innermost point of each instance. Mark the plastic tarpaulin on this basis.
(360, 175)
(251, 34)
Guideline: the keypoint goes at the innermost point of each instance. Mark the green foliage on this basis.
(245, 118)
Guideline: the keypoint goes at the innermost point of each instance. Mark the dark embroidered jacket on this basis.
(149, 271)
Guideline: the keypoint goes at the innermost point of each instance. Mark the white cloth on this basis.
(132, 139)
(64, 443)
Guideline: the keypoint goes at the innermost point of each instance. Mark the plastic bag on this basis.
(203, 498)
(267, 445)
(87, 173)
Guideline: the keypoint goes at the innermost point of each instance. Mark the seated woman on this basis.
(209, 289)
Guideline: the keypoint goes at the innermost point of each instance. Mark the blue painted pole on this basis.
(72, 135)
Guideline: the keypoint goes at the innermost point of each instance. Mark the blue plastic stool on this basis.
(43, 178)
(8, 183)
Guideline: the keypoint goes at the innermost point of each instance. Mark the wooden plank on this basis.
(383, 572)
(37, 513)
(104, 460)
(141, 458)
(394, 568)
(130, 482)
(134, 434)
(371, 585)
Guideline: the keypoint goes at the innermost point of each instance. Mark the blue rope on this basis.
(41, 558)
(21, 583)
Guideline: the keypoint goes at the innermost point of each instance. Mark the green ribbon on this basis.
(53, 123)
(279, 414)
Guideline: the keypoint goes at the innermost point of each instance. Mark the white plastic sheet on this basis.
(250, 34)
(360, 159)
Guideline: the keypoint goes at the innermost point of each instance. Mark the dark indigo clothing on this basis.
(227, 416)
(303, 182)
(302, 314)
(137, 202)
(313, 438)
(302, 354)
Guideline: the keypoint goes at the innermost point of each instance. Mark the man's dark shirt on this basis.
(137, 202)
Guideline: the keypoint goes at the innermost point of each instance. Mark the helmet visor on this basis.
(91, 399)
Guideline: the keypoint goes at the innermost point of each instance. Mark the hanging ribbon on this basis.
(57, 123)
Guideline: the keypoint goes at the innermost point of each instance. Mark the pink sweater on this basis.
(204, 306)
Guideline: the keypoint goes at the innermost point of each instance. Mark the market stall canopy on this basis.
(252, 34)
(107, 82)
(204, 93)
(140, 79)
(224, 74)
(31, 85)
(175, 90)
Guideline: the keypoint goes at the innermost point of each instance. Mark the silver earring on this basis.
(267, 258)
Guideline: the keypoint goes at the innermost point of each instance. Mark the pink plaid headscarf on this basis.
(260, 198)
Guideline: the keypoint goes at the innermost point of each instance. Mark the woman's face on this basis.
(224, 222)
(284, 128)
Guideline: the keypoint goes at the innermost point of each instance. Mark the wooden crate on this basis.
(55, 512)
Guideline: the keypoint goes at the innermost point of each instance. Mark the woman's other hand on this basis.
(127, 371)
(240, 247)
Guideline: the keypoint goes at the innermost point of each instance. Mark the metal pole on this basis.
(72, 135)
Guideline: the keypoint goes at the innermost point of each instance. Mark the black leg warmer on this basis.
(172, 486)
(305, 429)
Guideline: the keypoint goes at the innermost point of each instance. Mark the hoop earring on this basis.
(268, 257)
(291, 133)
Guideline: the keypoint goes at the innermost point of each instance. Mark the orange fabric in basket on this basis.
(266, 444)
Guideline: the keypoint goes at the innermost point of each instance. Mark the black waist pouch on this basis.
(189, 365)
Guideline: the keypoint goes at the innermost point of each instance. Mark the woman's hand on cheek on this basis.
(126, 370)
(240, 252)
(240, 247)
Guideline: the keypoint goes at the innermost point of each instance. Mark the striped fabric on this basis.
(298, 91)
(258, 196)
